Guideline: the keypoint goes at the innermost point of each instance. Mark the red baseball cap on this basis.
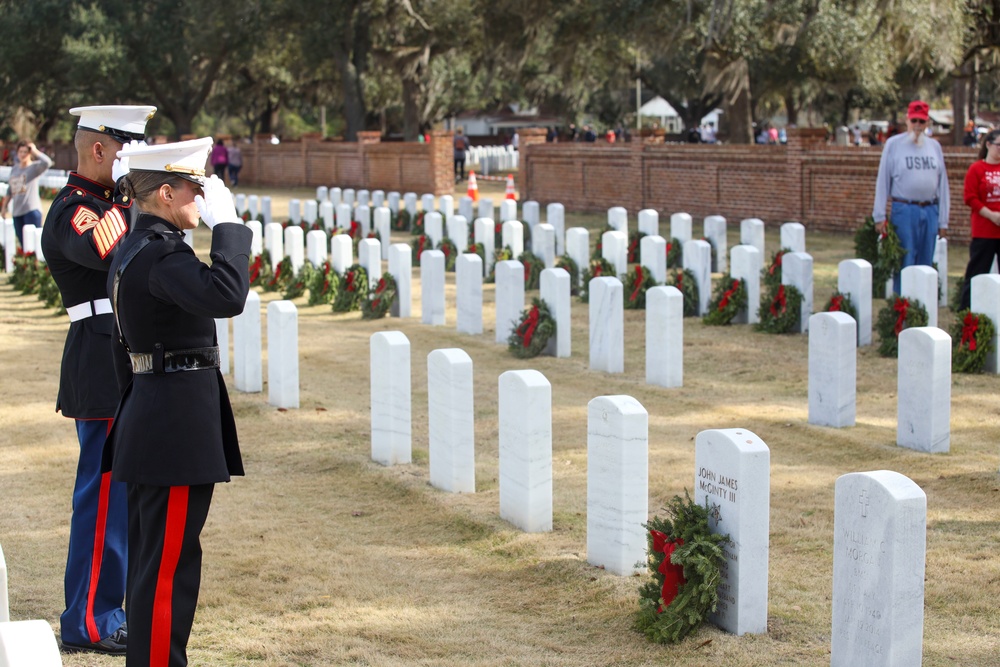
(918, 110)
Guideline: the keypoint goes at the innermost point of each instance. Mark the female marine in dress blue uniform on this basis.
(174, 436)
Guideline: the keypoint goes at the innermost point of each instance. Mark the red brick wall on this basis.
(823, 187)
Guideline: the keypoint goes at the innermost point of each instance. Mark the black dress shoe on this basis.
(112, 645)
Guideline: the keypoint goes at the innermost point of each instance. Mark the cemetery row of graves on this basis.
(880, 516)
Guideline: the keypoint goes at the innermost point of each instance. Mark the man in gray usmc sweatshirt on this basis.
(912, 177)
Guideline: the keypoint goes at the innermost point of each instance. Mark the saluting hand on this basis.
(217, 204)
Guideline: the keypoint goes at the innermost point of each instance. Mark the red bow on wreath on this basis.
(277, 274)
(969, 327)
(668, 248)
(638, 283)
(779, 300)
(355, 226)
(836, 304)
(729, 294)
(901, 306)
(597, 270)
(420, 245)
(680, 281)
(255, 268)
(777, 263)
(349, 277)
(527, 329)
(673, 575)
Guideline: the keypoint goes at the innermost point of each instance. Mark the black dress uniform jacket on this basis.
(81, 233)
(176, 429)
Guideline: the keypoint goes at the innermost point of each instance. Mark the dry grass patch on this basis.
(320, 557)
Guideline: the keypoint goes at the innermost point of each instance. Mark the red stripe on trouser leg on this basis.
(100, 529)
(173, 539)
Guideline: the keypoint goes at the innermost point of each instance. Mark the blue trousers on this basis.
(916, 227)
(97, 564)
(21, 221)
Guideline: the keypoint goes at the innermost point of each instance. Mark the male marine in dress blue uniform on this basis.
(81, 233)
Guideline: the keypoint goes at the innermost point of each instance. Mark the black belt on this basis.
(159, 362)
(933, 202)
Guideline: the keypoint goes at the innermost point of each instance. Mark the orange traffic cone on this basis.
(510, 188)
(473, 190)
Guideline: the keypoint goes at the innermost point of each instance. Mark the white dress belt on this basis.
(82, 311)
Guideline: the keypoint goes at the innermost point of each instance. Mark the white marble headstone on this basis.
(9, 244)
(247, 350)
(715, 232)
(649, 222)
(746, 265)
(390, 398)
(653, 256)
(316, 247)
(483, 232)
(680, 227)
(409, 202)
(854, 279)
(253, 206)
(578, 249)
(984, 297)
(458, 232)
(469, 293)
(879, 549)
(797, 270)
(512, 236)
(322, 193)
(378, 198)
(392, 199)
(341, 252)
(614, 248)
(370, 257)
(697, 259)
(326, 215)
(349, 196)
(833, 364)
(508, 210)
(555, 292)
(617, 483)
(446, 207)
(452, 455)
(28, 644)
(618, 219)
(363, 215)
(555, 215)
(336, 196)
(343, 215)
(793, 236)
(509, 297)
(486, 209)
(530, 215)
(941, 259)
(401, 268)
(295, 211)
(924, 390)
(295, 246)
(265, 209)
(257, 238)
(282, 354)
(543, 244)
(607, 325)
(525, 430)
(240, 203)
(752, 233)
(383, 227)
(434, 228)
(465, 207)
(733, 479)
(274, 242)
(665, 336)
(4, 598)
(427, 203)
(364, 198)
(921, 283)
(432, 287)
(311, 211)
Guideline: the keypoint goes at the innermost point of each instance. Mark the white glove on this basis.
(119, 167)
(217, 204)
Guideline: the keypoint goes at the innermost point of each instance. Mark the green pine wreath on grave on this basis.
(417, 224)
(501, 255)
(420, 244)
(400, 220)
(770, 275)
(675, 253)
(447, 246)
(323, 285)
(598, 268)
(779, 312)
(900, 313)
(282, 276)
(634, 246)
(533, 267)
(25, 275)
(296, 287)
(353, 288)
(972, 340)
(599, 248)
(48, 291)
(842, 303)
(685, 559)
(882, 251)
(533, 330)
(568, 264)
(376, 305)
(730, 297)
(477, 249)
(684, 280)
(260, 269)
(638, 280)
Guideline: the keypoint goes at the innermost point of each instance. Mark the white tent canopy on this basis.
(670, 120)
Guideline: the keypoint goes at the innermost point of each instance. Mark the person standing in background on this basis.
(220, 159)
(461, 145)
(912, 176)
(982, 195)
(234, 161)
(22, 194)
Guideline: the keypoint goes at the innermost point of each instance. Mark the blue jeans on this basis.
(917, 228)
(32, 218)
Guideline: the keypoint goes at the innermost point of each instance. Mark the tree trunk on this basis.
(411, 109)
(791, 108)
(960, 103)
(740, 122)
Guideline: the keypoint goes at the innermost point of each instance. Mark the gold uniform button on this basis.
(79, 193)
(124, 198)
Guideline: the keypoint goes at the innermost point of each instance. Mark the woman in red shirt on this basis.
(982, 195)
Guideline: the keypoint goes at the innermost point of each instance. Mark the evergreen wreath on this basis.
(841, 302)
(497, 234)
(353, 287)
(379, 300)
(634, 247)
(599, 268)
(296, 287)
(283, 276)
(899, 314)
(729, 299)
(684, 280)
(712, 254)
(675, 253)
(420, 244)
(883, 252)
(599, 248)
(400, 220)
(501, 255)
(48, 291)
(260, 269)
(324, 284)
(25, 275)
(417, 224)
(638, 280)
(770, 276)
(447, 246)
(779, 312)
(533, 267)
(972, 336)
(685, 559)
(533, 330)
(477, 249)
(568, 264)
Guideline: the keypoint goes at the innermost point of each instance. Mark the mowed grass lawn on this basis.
(321, 557)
